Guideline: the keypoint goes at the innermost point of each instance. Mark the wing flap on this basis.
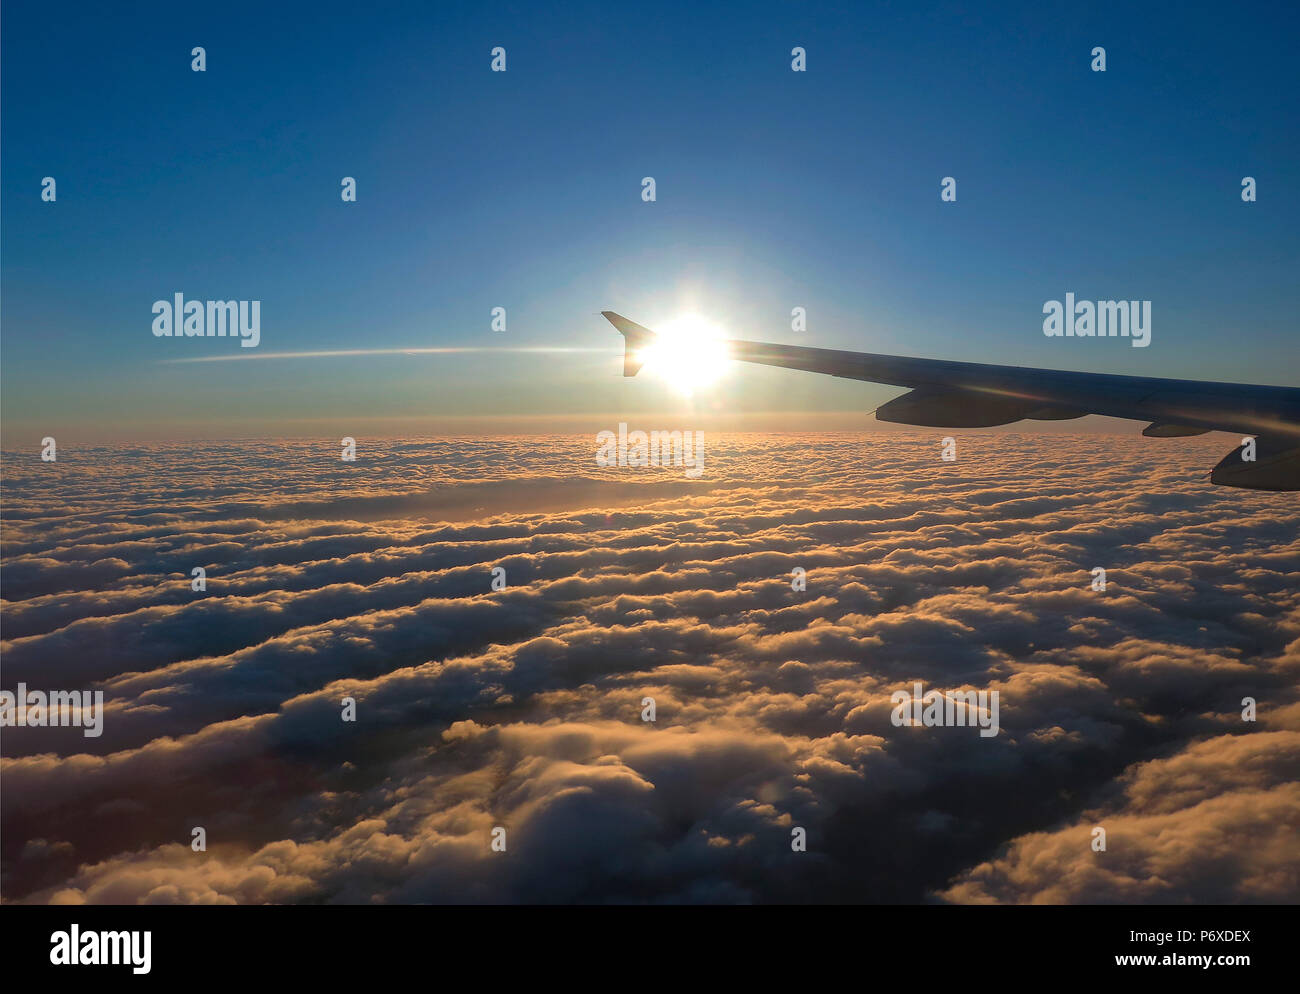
(1275, 466)
(938, 408)
(1160, 429)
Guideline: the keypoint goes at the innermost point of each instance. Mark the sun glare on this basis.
(689, 354)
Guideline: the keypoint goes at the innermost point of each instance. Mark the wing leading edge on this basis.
(946, 394)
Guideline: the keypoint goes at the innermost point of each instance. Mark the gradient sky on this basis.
(479, 189)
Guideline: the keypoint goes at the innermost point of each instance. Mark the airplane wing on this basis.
(947, 394)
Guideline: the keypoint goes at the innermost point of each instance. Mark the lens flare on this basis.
(690, 354)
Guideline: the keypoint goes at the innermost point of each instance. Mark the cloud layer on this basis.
(522, 708)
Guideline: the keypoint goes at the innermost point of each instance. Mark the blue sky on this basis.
(522, 189)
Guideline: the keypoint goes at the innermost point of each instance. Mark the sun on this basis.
(690, 354)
